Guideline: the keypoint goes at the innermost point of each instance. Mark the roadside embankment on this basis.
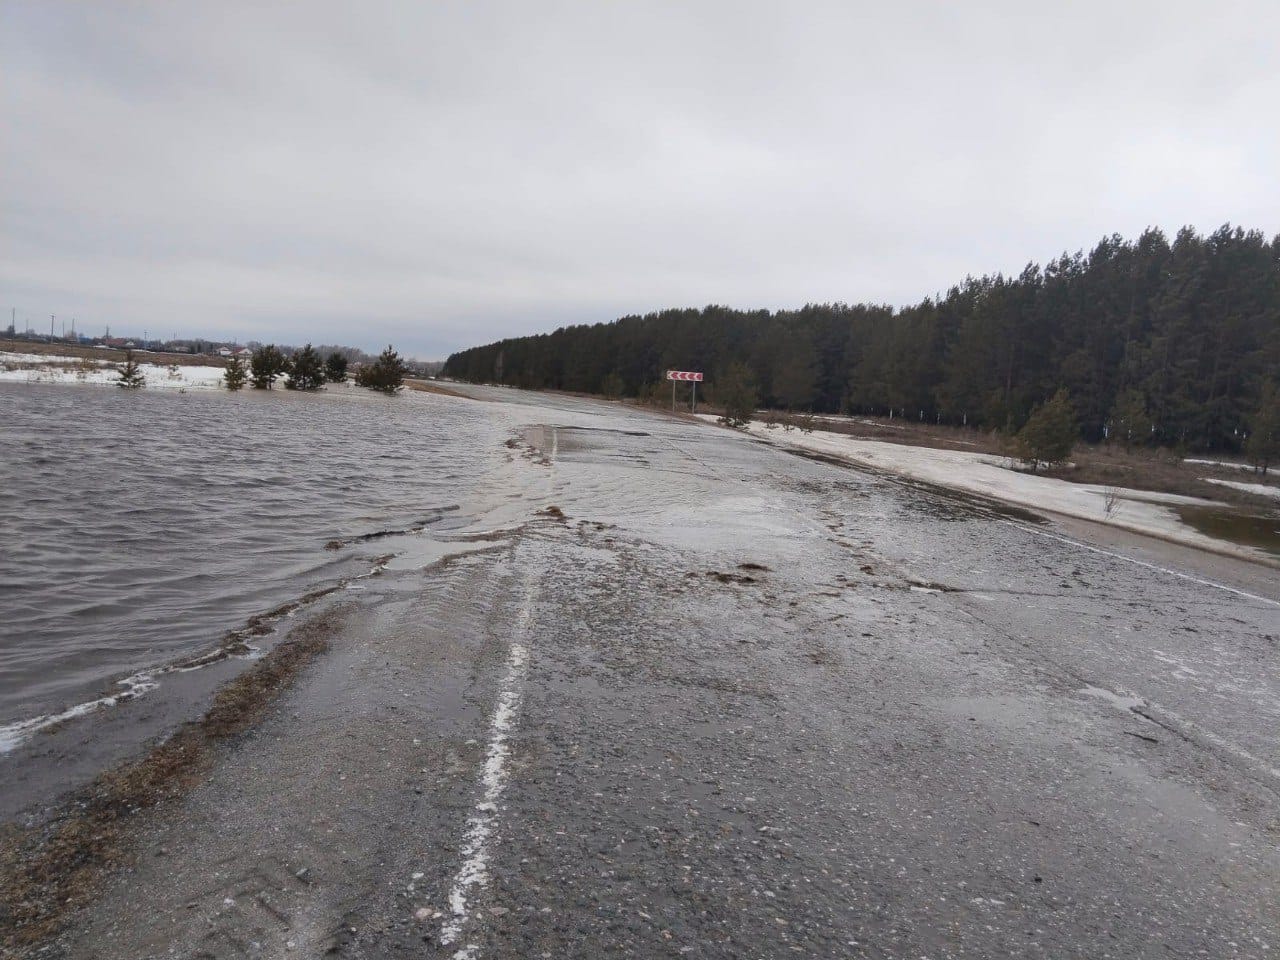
(1139, 511)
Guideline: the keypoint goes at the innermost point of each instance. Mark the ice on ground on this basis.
(77, 370)
(1260, 489)
(994, 477)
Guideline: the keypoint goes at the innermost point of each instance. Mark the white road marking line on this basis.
(1130, 703)
(473, 875)
(1143, 563)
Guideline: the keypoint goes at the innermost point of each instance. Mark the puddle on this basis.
(1259, 530)
(551, 440)
(624, 433)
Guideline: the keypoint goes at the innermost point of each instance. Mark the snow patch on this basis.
(1228, 464)
(994, 477)
(1260, 489)
(77, 370)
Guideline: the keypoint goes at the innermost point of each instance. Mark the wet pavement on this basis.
(688, 695)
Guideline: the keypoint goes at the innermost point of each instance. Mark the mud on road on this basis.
(727, 702)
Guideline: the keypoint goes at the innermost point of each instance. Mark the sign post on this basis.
(692, 377)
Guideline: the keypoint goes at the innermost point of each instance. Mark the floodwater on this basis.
(1261, 530)
(707, 634)
(140, 527)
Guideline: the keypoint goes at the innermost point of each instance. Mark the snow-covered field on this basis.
(40, 368)
(990, 476)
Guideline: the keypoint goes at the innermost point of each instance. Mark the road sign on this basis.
(692, 376)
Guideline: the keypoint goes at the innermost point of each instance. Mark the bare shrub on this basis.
(1110, 499)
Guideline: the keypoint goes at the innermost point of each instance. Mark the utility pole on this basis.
(51, 319)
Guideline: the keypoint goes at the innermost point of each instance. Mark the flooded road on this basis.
(684, 694)
(140, 526)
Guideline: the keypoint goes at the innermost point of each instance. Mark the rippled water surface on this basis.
(137, 527)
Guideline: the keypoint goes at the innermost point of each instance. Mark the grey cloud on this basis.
(437, 175)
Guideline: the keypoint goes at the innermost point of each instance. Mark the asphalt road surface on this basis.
(737, 703)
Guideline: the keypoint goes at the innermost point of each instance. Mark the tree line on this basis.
(1154, 342)
(303, 370)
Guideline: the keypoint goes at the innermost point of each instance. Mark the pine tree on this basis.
(795, 373)
(386, 374)
(335, 368)
(266, 366)
(612, 386)
(131, 376)
(735, 391)
(1050, 433)
(1191, 325)
(1129, 421)
(235, 375)
(306, 372)
(1263, 445)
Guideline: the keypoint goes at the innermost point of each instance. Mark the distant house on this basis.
(224, 351)
(244, 352)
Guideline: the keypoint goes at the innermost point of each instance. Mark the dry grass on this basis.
(897, 430)
(83, 365)
(1159, 470)
(101, 353)
(47, 873)
(431, 386)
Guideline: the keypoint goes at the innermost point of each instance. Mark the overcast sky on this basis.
(438, 175)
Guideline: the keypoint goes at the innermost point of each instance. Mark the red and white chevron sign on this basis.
(683, 375)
